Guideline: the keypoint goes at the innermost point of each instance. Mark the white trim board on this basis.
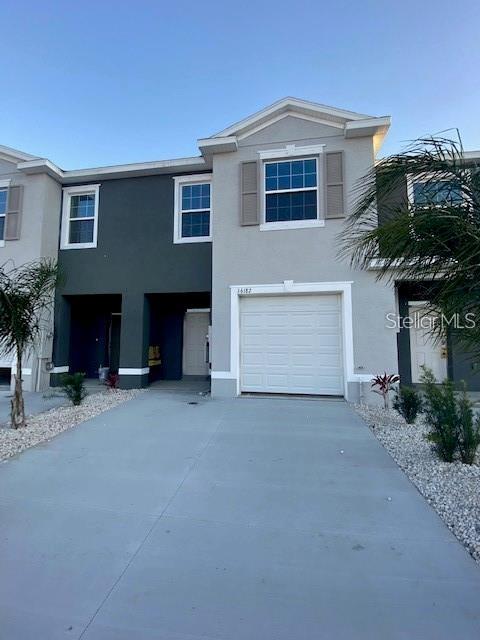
(126, 371)
(179, 181)
(288, 287)
(68, 192)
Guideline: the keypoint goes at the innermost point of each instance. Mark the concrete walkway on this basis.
(225, 520)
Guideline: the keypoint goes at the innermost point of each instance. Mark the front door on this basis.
(425, 350)
(195, 331)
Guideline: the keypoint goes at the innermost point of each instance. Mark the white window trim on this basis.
(412, 180)
(68, 192)
(288, 287)
(180, 181)
(4, 184)
(289, 153)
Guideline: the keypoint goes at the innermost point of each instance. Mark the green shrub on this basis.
(440, 408)
(468, 428)
(408, 403)
(74, 387)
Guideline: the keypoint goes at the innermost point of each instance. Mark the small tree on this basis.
(26, 299)
(408, 403)
(440, 409)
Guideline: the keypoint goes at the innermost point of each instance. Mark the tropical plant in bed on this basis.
(26, 301)
(383, 385)
(73, 385)
(440, 409)
(408, 403)
(112, 381)
(468, 428)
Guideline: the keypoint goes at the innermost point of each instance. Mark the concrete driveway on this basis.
(238, 520)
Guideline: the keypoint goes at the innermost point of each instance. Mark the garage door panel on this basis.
(291, 344)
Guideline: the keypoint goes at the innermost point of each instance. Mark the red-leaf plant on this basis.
(112, 380)
(385, 384)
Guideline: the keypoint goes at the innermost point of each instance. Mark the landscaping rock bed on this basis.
(45, 426)
(453, 489)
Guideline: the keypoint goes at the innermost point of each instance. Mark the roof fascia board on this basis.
(14, 155)
(217, 145)
(116, 171)
(367, 127)
(292, 104)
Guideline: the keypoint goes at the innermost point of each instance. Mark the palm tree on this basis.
(26, 299)
(434, 239)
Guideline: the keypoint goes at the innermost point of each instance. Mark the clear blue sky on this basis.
(95, 83)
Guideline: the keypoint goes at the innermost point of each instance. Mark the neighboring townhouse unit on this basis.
(447, 358)
(29, 222)
(226, 264)
(135, 256)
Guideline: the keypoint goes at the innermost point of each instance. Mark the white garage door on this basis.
(291, 344)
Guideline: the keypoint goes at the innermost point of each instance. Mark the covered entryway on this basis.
(291, 344)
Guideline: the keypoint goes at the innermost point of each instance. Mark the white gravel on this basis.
(452, 488)
(47, 425)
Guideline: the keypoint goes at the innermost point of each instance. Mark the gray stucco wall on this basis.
(247, 255)
(38, 239)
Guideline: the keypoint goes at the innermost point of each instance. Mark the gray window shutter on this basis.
(249, 213)
(335, 185)
(14, 213)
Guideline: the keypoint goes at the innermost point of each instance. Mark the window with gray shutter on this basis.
(249, 214)
(14, 212)
(334, 185)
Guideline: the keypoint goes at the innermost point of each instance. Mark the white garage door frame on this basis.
(288, 287)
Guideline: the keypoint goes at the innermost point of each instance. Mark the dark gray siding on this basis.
(136, 259)
(135, 250)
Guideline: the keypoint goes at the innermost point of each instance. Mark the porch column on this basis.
(61, 339)
(134, 341)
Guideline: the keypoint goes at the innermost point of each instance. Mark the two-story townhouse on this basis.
(29, 221)
(243, 238)
(135, 258)
(289, 316)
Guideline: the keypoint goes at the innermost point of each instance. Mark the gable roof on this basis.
(14, 155)
(351, 124)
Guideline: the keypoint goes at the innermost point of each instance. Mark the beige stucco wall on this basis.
(38, 238)
(247, 255)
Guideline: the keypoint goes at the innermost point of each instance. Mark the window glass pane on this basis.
(271, 170)
(80, 231)
(437, 192)
(195, 196)
(3, 202)
(284, 168)
(196, 224)
(2, 226)
(82, 206)
(296, 174)
(300, 205)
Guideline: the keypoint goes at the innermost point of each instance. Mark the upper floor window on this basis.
(435, 192)
(193, 208)
(3, 211)
(80, 217)
(291, 190)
